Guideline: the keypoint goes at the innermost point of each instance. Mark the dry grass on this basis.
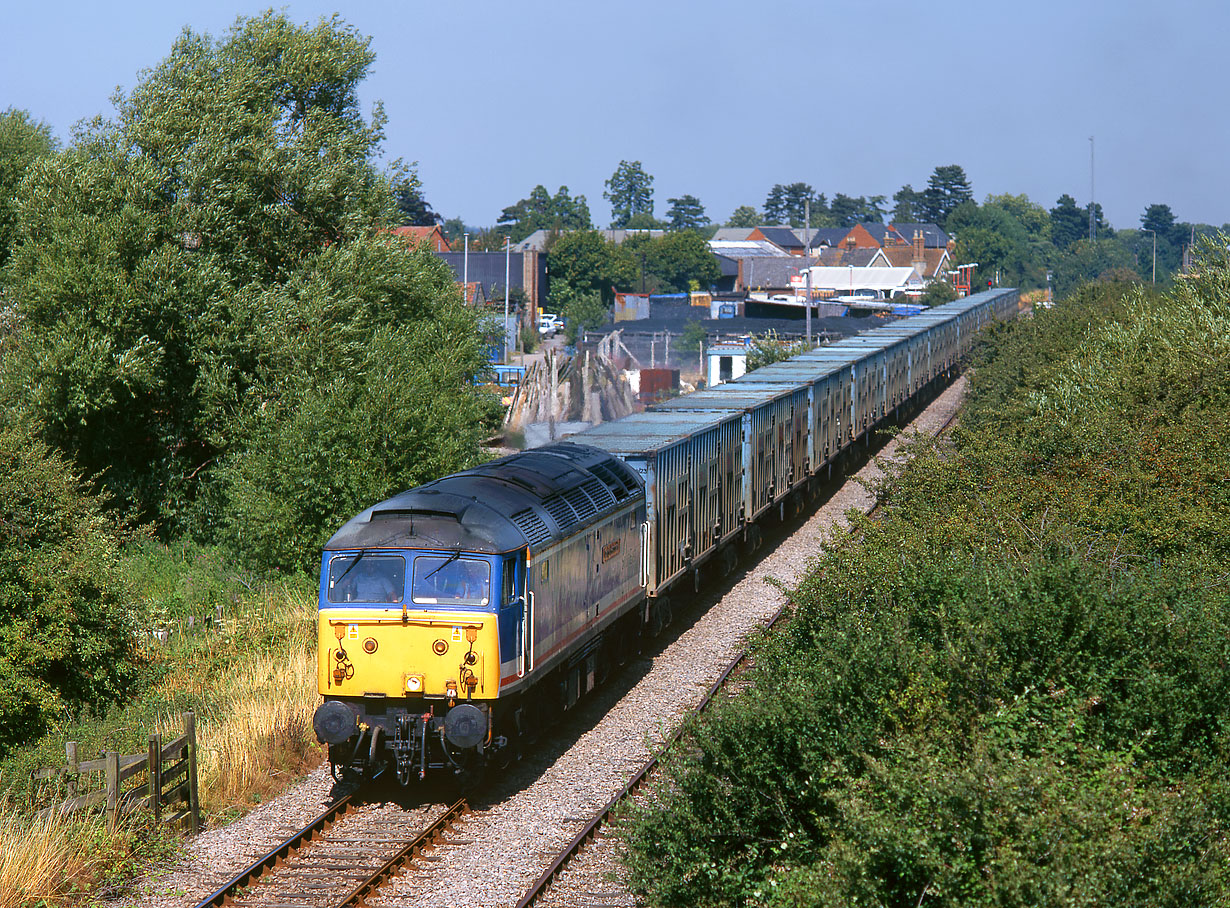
(258, 738)
(43, 858)
(255, 740)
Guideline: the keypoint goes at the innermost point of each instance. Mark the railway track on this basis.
(337, 860)
(332, 863)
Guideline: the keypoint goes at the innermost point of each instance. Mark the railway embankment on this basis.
(1011, 687)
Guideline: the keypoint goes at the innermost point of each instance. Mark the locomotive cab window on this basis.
(367, 578)
(508, 574)
(450, 580)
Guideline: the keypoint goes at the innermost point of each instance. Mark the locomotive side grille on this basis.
(600, 494)
(532, 526)
(562, 511)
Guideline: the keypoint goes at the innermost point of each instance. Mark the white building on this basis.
(726, 361)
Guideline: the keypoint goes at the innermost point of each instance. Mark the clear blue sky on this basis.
(723, 99)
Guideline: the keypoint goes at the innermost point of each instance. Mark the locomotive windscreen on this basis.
(450, 580)
(367, 578)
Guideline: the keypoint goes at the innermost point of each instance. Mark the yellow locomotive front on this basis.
(409, 658)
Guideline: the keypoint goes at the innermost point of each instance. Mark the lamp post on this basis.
(1154, 232)
(507, 249)
(465, 267)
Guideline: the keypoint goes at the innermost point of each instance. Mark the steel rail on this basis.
(426, 838)
(321, 823)
(591, 828)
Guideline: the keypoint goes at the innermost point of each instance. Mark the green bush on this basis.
(1010, 690)
(66, 638)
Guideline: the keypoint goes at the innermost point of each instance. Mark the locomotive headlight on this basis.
(414, 684)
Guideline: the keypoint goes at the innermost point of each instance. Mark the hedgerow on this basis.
(1010, 689)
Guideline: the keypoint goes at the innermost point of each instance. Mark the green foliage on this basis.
(947, 188)
(769, 348)
(937, 293)
(686, 213)
(846, 211)
(542, 211)
(170, 268)
(353, 402)
(787, 204)
(907, 205)
(630, 192)
(22, 142)
(1010, 688)
(1068, 223)
(673, 262)
(66, 638)
(584, 309)
(693, 337)
(744, 216)
(585, 261)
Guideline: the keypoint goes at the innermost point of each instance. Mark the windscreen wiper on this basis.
(449, 560)
(357, 558)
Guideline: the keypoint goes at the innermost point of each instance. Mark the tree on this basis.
(151, 258)
(788, 204)
(1161, 219)
(1067, 223)
(947, 188)
(415, 210)
(67, 643)
(846, 211)
(908, 205)
(543, 211)
(630, 192)
(744, 216)
(585, 261)
(22, 142)
(994, 239)
(686, 213)
(673, 263)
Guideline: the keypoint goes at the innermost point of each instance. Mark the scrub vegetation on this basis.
(1008, 688)
(212, 353)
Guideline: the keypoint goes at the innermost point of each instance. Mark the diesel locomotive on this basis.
(459, 616)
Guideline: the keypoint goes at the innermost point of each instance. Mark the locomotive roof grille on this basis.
(532, 526)
(564, 515)
(618, 482)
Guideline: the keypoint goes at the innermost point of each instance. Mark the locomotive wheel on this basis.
(668, 613)
(655, 624)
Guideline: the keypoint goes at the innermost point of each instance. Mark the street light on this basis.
(1154, 232)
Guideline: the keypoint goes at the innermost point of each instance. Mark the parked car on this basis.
(549, 324)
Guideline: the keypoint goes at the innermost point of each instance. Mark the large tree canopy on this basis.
(630, 192)
(22, 142)
(152, 257)
(543, 211)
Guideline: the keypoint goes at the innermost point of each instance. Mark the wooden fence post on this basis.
(194, 804)
(113, 785)
(70, 749)
(155, 776)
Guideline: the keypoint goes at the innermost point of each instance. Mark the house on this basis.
(433, 236)
(929, 262)
(784, 238)
(876, 283)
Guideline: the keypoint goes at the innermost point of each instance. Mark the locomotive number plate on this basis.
(610, 550)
